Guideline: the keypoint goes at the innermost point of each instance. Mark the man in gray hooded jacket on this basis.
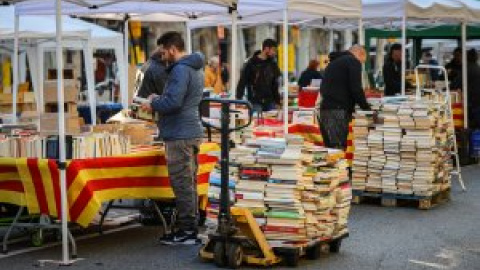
(181, 129)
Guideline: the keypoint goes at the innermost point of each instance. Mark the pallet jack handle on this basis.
(225, 105)
(225, 226)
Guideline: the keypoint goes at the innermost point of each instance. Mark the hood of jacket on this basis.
(194, 60)
(157, 58)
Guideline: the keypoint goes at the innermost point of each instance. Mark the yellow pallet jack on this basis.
(238, 238)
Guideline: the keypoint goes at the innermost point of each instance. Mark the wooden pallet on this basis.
(397, 200)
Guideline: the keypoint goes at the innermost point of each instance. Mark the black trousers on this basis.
(334, 127)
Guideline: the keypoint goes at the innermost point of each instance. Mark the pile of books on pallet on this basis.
(295, 192)
(327, 194)
(238, 156)
(405, 151)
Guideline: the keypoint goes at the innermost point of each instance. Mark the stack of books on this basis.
(285, 215)
(363, 122)
(296, 192)
(331, 191)
(250, 189)
(406, 150)
(93, 145)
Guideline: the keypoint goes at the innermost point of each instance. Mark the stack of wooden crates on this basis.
(49, 119)
(25, 100)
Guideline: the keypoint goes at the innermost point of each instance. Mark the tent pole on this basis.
(22, 65)
(15, 69)
(361, 36)
(124, 96)
(189, 38)
(331, 40)
(348, 42)
(233, 68)
(404, 52)
(464, 74)
(361, 41)
(41, 77)
(285, 70)
(92, 98)
(32, 64)
(61, 132)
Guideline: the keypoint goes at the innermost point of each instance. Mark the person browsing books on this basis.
(309, 74)
(154, 77)
(259, 77)
(341, 90)
(181, 130)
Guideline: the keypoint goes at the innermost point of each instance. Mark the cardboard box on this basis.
(50, 91)
(29, 97)
(6, 98)
(29, 115)
(49, 124)
(107, 128)
(139, 134)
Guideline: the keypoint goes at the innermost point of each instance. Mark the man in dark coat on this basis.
(392, 71)
(260, 77)
(473, 91)
(154, 76)
(341, 89)
(454, 70)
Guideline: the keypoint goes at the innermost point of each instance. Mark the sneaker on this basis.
(182, 238)
(167, 237)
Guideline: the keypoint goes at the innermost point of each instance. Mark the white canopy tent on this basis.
(281, 11)
(36, 36)
(461, 11)
(178, 10)
(468, 10)
(58, 8)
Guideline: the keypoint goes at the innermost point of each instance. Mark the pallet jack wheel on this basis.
(292, 258)
(36, 238)
(219, 254)
(313, 252)
(234, 255)
(335, 246)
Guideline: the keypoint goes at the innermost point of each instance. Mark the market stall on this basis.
(85, 7)
(36, 33)
(402, 13)
(285, 12)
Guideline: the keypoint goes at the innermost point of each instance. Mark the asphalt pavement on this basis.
(403, 238)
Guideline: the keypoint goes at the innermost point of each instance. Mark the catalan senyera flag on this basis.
(457, 111)
(11, 187)
(90, 182)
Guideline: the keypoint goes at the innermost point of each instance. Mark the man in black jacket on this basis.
(260, 77)
(341, 89)
(454, 70)
(154, 76)
(392, 71)
(473, 89)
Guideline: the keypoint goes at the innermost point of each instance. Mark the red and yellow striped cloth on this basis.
(457, 111)
(11, 187)
(35, 183)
